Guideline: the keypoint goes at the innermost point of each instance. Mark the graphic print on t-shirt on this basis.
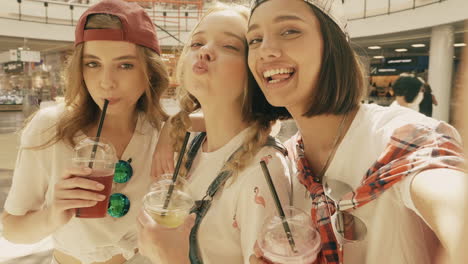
(267, 159)
(258, 198)
(234, 223)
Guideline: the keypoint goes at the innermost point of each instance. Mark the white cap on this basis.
(331, 8)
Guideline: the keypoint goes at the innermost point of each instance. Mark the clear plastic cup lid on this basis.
(165, 180)
(180, 201)
(273, 238)
(94, 149)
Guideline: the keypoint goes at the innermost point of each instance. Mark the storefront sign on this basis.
(398, 65)
(7, 56)
(376, 70)
(20, 55)
(29, 56)
(399, 61)
(13, 67)
(402, 61)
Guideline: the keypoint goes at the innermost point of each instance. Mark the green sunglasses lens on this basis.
(123, 172)
(119, 205)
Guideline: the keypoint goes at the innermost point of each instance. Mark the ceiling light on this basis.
(459, 44)
(418, 45)
(401, 50)
(374, 47)
(379, 57)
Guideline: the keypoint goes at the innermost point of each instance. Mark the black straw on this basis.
(93, 152)
(176, 171)
(98, 135)
(287, 230)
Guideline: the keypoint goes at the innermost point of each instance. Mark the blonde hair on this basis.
(81, 110)
(260, 124)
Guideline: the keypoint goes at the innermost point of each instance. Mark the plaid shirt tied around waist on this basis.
(412, 149)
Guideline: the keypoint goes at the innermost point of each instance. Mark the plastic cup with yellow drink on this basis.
(177, 210)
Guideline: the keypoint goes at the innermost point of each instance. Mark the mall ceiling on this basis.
(404, 40)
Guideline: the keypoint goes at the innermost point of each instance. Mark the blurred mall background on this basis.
(423, 37)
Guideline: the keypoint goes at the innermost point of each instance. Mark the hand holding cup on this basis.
(72, 191)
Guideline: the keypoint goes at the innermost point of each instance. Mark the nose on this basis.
(206, 53)
(107, 81)
(269, 49)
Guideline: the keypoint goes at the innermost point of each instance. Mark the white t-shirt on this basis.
(396, 234)
(414, 106)
(229, 230)
(37, 171)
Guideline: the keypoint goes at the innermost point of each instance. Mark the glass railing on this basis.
(48, 12)
(179, 16)
(67, 12)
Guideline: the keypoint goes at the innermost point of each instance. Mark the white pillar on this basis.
(441, 68)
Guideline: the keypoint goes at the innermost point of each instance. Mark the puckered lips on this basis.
(200, 67)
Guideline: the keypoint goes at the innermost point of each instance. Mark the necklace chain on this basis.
(339, 134)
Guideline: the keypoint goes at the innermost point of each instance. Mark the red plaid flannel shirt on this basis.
(412, 149)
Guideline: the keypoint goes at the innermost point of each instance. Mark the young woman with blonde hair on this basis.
(214, 78)
(116, 58)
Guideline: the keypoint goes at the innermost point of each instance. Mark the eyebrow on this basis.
(125, 57)
(277, 19)
(234, 35)
(225, 33)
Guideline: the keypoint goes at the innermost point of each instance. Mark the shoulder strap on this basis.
(202, 206)
(193, 150)
(275, 143)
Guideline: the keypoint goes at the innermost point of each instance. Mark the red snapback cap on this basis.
(137, 26)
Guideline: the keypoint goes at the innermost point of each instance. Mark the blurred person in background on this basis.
(425, 107)
(408, 92)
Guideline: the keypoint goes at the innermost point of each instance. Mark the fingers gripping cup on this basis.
(176, 212)
(100, 155)
(273, 241)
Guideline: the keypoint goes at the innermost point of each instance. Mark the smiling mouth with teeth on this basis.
(278, 75)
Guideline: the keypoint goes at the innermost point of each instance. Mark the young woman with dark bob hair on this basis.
(387, 179)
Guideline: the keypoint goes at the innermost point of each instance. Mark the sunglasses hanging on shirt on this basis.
(348, 228)
(119, 204)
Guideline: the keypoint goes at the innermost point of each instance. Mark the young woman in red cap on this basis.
(387, 179)
(116, 57)
(213, 76)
